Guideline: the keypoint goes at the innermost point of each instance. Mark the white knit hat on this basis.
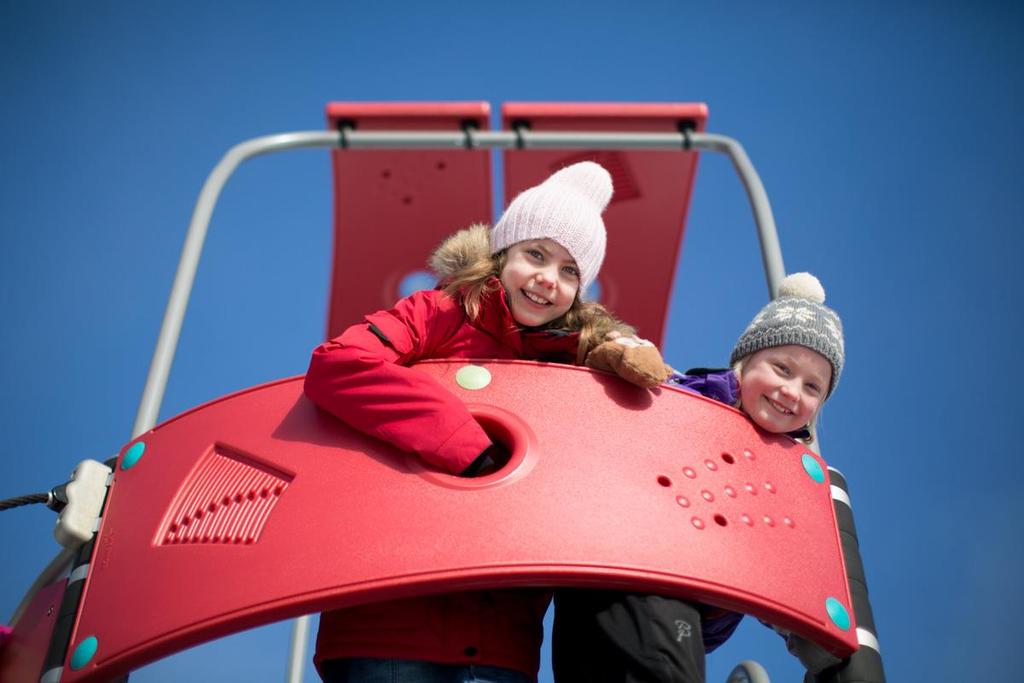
(565, 208)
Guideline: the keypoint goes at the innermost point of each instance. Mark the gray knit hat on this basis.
(798, 316)
(566, 208)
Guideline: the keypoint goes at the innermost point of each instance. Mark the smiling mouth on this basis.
(778, 406)
(540, 301)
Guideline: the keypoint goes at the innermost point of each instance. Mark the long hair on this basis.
(474, 281)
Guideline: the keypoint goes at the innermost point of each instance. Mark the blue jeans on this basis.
(368, 670)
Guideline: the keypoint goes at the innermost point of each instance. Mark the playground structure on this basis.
(239, 486)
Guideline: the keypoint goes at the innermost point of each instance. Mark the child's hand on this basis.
(633, 359)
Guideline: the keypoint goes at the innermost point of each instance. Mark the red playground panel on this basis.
(258, 506)
(23, 653)
(410, 200)
(647, 214)
(392, 207)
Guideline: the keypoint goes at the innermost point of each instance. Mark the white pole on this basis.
(297, 657)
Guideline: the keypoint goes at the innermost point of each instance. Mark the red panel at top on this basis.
(392, 207)
(258, 507)
(647, 214)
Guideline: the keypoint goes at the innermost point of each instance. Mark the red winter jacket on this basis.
(360, 377)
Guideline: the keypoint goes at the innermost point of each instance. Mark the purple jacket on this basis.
(716, 624)
(719, 384)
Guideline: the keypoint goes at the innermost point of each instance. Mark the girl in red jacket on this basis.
(509, 293)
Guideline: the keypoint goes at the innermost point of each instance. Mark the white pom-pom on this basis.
(802, 286)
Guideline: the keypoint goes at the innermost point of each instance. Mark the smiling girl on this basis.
(509, 293)
(541, 279)
(787, 362)
(784, 367)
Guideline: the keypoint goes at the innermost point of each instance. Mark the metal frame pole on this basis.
(347, 138)
(297, 650)
(170, 329)
(771, 251)
(174, 315)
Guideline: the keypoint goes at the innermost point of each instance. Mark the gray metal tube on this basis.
(654, 141)
(170, 330)
(771, 252)
(520, 138)
(297, 651)
(385, 139)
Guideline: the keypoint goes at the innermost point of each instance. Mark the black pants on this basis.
(370, 670)
(610, 637)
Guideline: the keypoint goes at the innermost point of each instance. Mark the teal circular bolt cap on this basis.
(473, 377)
(133, 454)
(813, 469)
(837, 613)
(84, 653)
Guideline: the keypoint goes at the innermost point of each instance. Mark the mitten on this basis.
(633, 359)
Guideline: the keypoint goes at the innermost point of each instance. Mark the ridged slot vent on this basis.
(226, 500)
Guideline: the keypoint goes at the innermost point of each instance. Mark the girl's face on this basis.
(541, 280)
(781, 388)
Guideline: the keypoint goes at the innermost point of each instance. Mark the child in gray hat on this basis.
(784, 367)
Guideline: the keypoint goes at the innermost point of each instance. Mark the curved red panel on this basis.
(258, 506)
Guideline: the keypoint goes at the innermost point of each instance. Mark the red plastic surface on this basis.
(392, 207)
(647, 214)
(24, 650)
(278, 509)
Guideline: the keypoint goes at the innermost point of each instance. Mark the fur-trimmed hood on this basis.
(461, 250)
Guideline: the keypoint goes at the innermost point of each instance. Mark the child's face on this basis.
(781, 388)
(541, 279)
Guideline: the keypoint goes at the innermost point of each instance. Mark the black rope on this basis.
(30, 499)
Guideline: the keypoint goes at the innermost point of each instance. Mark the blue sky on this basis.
(885, 137)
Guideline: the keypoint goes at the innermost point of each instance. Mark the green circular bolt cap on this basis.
(837, 613)
(473, 377)
(84, 653)
(133, 454)
(813, 469)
